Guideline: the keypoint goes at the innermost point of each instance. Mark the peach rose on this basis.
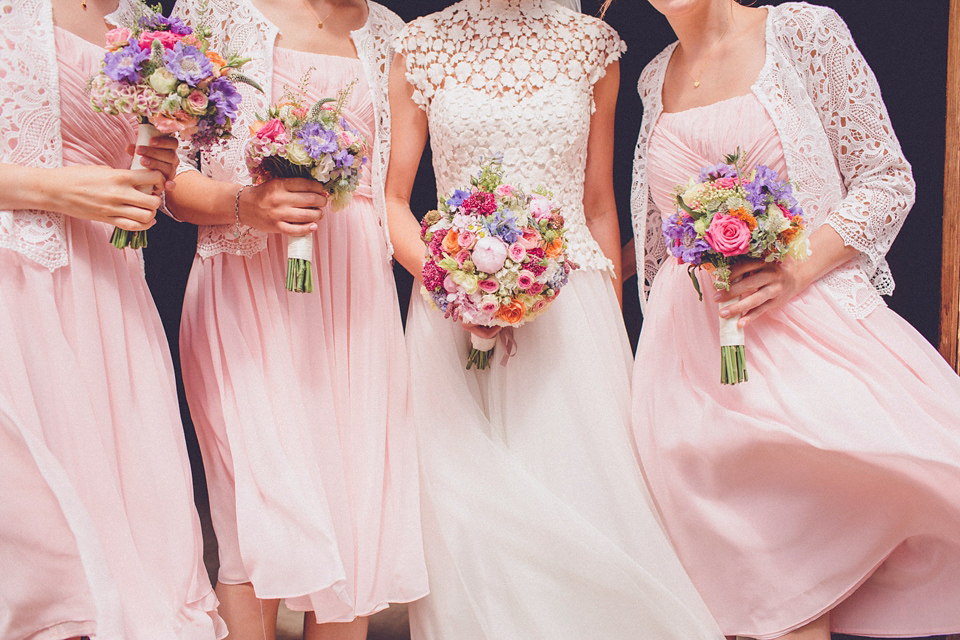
(554, 248)
(512, 312)
(450, 244)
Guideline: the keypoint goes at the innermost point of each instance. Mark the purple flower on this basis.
(343, 158)
(682, 240)
(767, 188)
(225, 98)
(317, 140)
(159, 22)
(124, 64)
(717, 171)
(458, 197)
(187, 63)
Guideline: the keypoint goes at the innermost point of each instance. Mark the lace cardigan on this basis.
(239, 27)
(30, 120)
(841, 152)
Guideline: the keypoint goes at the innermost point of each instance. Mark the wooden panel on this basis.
(950, 282)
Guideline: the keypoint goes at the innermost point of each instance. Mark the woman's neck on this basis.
(702, 28)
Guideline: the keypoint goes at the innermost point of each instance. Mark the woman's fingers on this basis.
(481, 330)
(291, 229)
(134, 220)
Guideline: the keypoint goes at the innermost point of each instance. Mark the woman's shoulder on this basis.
(651, 78)
(805, 24)
(383, 22)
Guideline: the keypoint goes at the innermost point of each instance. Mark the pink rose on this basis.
(540, 207)
(726, 182)
(467, 239)
(272, 130)
(517, 252)
(530, 240)
(489, 304)
(197, 102)
(728, 235)
(525, 280)
(300, 112)
(117, 38)
(167, 38)
(489, 254)
(462, 257)
(489, 285)
(504, 190)
(540, 305)
(535, 288)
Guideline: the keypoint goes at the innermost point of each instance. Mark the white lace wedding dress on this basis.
(537, 522)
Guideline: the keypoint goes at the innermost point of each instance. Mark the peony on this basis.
(504, 190)
(196, 103)
(728, 235)
(271, 130)
(540, 207)
(489, 285)
(489, 254)
(162, 81)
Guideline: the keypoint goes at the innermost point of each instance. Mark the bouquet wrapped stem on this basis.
(481, 350)
(299, 257)
(733, 364)
(122, 238)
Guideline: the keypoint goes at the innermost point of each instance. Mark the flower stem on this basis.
(733, 365)
(299, 276)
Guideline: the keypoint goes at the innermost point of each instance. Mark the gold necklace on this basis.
(317, 15)
(683, 61)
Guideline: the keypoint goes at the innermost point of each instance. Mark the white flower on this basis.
(162, 81)
(297, 154)
(776, 221)
(321, 172)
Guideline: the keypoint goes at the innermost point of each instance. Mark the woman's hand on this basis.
(161, 155)
(104, 194)
(291, 206)
(481, 331)
(761, 287)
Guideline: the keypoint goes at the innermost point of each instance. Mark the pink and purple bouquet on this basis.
(728, 214)
(162, 71)
(496, 256)
(296, 140)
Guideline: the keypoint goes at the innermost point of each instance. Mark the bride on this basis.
(537, 521)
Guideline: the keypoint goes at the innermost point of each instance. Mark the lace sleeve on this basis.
(877, 178)
(410, 43)
(607, 47)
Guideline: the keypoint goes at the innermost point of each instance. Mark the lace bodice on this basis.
(841, 152)
(30, 120)
(239, 27)
(513, 77)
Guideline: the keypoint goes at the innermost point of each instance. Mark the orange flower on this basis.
(450, 244)
(554, 248)
(216, 58)
(787, 235)
(746, 216)
(256, 126)
(512, 313)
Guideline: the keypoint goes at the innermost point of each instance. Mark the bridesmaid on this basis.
(824, 494)
(300, 399)
(99, 533)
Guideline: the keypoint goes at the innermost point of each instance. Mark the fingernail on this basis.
(725, 313)
(716, 297)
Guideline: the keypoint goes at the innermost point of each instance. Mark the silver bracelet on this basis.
(238, 232)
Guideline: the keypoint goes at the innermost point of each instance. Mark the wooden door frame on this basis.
(950, 273)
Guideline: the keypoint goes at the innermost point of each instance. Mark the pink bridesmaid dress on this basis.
(829, 480)
(301, 402)
(93, 422)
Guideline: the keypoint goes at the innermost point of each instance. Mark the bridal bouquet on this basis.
(162, 71)
(297, 140)
(496, 256)
(728, 214)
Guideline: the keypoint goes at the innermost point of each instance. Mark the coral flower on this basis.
(450, 244)
(555, 248)
(512, 312)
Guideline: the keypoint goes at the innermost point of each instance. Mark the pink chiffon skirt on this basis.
(301, 405)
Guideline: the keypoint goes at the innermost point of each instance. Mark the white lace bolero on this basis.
(841, 152)
(239, 27)
(30, 120)
(513, 77)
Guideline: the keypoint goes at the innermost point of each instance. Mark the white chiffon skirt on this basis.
(537, 521)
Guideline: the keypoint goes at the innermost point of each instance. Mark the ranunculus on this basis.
(196, 103)
(467, 239)
(450, 244)
(512, 312)
(167, 38)
(504, 190)
(271, 130)
(728, 235)
(462, 257)
(162, 81)
(554, 248)
(118, 37)
(449, 284)
(535, 288)
(525, 280)
(489, 304)
(529, 240)
(489, 285)
(517, 252)
(540, 207)
(489, 254)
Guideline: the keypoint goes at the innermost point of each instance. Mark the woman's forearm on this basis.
(23, 187)
(202, 200)
(408, 248)
(605, 229)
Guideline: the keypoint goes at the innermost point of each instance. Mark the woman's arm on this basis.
(599, 202)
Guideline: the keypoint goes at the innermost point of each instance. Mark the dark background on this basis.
(904, 42)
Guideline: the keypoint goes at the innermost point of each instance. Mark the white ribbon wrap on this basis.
(482, 344)
(730, 334)
(300, 247)
(145, 133)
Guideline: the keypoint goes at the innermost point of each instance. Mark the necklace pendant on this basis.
(696, 84)
(320, 25)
